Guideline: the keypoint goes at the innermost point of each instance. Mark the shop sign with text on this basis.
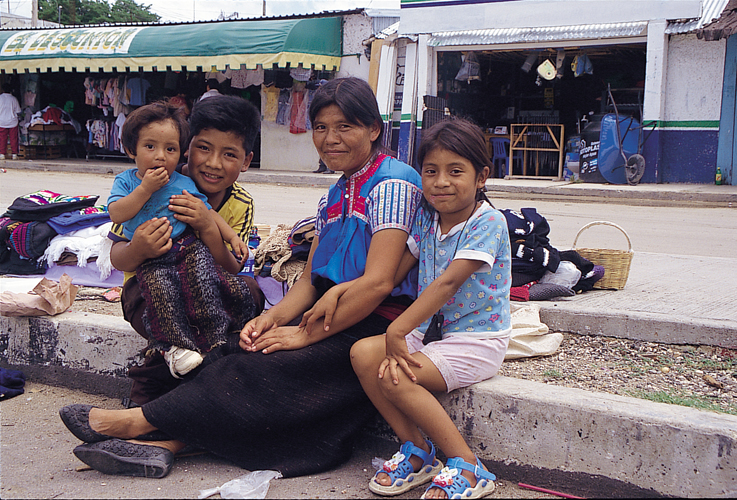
(88, 41)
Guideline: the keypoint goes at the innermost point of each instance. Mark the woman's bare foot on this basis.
(124, 424)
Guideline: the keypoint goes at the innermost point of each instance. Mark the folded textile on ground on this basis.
(79, 219)
(532, 253)
(44, 204)
(530, 336)
(87, 243)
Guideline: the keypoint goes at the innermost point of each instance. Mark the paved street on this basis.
(37, 461)
(685, 230)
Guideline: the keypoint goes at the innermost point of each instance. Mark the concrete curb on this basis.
(670, 450)
(658, 448)
(648, 327)
(670, 197)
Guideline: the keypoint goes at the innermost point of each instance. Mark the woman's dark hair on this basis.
(158, 111)
(355, 99)
(461, 137)
(227, 113)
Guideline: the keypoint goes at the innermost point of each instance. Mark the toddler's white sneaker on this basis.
(181, 361)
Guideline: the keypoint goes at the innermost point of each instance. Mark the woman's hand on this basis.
(282, 338)
(324, 308)
(254, 329)
(397, 354)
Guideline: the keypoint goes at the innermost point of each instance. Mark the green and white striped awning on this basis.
(311, 42)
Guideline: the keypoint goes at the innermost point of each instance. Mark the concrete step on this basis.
(520, 428)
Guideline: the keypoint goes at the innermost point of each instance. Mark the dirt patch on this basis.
(93, 300)
(702, 377)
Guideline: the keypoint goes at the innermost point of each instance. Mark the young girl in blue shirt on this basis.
(461, 245)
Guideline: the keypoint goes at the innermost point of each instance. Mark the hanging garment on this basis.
(282, 115)
(300, 74)
(297, 113)
(270, 103)
(138, 88)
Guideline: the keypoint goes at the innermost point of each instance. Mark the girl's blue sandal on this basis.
(402, 474)
(455, 485)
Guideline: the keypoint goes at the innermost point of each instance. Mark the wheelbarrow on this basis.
(631, 164)
(611, 148)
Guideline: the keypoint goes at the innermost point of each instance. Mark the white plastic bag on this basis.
(470, 68)
(567, 275)
(252, 485)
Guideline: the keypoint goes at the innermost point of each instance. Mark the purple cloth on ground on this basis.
(273, 290)
(86, 276)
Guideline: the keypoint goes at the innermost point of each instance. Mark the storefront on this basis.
(96, 74)
(535, 74)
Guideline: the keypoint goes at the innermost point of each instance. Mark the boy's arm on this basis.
(125, 208)
(227, 232)
(151, 239)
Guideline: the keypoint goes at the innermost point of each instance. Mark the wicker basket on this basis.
(616, 263)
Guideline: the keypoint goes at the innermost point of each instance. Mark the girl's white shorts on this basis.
(461, 360)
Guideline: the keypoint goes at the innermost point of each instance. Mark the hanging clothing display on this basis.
(138, 88)
(244, 78)
(282, 115)
(298, 113)
(270, 102)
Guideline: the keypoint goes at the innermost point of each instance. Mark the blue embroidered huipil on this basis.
(384, 194)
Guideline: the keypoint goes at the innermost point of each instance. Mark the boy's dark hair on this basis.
(355, 99)
(213, 84)
(226, 113)
(458, 136)
(158, 111)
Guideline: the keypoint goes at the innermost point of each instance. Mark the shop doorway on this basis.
(73, 90)
(508, 90)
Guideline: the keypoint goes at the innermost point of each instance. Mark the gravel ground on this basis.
(700, 376)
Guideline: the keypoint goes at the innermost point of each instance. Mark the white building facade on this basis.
(668, 80)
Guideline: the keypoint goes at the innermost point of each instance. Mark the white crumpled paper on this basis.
(252, 485)
(47, 298)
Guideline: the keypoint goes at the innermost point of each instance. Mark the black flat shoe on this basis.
(118, 457)
(77, 419)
